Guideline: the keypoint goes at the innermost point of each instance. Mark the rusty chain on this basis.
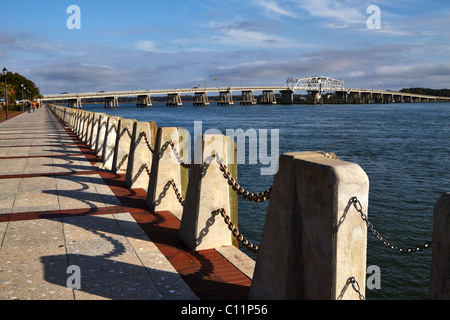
(256, 197)
(356, 287)
(177, 193)
(147, 169)
(143, 134)
(357, 204)
(128, 132)
(240, 238)
(177, 155)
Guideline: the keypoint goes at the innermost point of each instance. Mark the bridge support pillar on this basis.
(201, 99)
(144, 101)
(174, 100)
(317, 95)
(248, 98)
(75, 103)
(268, 97)
(111, 102)
(440, 262)
(287, 97)
(225, 98)
(314, 239)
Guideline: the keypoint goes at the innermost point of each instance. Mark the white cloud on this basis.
(341, 13)
(146, 45)
(271, 7)
(228, 34)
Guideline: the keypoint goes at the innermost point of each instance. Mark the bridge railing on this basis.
(314, 242)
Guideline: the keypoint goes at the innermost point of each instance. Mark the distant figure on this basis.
(34, 106)
(29, 107)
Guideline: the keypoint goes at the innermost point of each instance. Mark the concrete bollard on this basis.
(88, 127)
(165, 168)
(99, 145)
(84, 120)
(76, 120)
(140, 155)
(202, 226)
(109, 144)
(94, 131)
(122, 146)
(440, 262)
(314, 240)
(79, 122)
(83, 124)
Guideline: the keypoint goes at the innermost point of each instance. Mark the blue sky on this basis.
(178, 44)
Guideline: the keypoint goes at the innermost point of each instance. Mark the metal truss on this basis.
(315, 84)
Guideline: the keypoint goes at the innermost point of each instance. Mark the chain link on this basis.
(256, 197)
(177, 193)
(357, 204)
(177, 155)
(128, 132)
(356, 287)
(240, 238)
(146, 168)
(143, 134)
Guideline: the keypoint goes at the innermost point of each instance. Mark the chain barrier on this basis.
(177, 155)
(240, 238)
(256, 197)
(177, 193)
(146, 169)
(128, 132)
(357, 204)
(356, 287)
(144, 135)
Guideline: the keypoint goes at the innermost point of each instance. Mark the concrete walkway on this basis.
(58, 209)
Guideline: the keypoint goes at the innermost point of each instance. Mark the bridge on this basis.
(313, 85)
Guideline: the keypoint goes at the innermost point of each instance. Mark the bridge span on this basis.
(317, 86)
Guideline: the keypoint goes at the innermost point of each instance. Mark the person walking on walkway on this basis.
(34, 106)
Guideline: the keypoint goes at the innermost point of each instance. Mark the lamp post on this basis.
(5, 72)
(23, 88)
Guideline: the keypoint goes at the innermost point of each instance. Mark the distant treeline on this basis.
(428, 92)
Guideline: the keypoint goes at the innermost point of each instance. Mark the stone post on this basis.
(110, 142)
(314, 240)
(140, 155)
(165, 168)
(82, 134)
(122, 146)
(202, 226)
(88, 127)
(79, 123)
(440, 262)
(94, 131)
(99, 145)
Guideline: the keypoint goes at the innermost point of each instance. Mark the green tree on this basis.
(14, 81)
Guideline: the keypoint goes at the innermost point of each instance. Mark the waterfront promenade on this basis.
(58, 209)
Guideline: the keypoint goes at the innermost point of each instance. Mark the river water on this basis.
(403, 148)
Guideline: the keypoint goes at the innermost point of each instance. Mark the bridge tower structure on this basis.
(315, 85)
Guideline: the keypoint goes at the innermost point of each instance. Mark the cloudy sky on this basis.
(178, 44)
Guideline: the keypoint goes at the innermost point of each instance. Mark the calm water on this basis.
(403, 148)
